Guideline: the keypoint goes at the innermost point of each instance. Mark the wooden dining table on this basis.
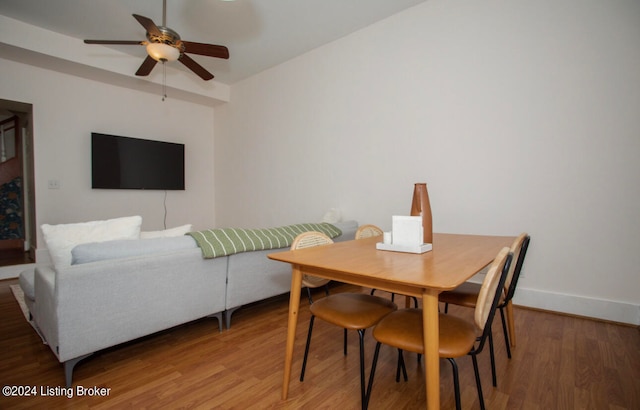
(454, 259)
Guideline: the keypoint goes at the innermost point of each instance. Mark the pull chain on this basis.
(164, 81)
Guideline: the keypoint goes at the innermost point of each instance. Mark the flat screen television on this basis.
(133, 163)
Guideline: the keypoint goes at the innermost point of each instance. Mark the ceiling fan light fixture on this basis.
(164, 44)
(162, 52)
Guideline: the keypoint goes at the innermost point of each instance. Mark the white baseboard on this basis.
(579, 305)
(610, 310)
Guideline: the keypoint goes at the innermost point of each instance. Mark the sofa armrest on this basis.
(45, 311)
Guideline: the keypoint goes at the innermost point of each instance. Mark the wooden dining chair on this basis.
(368, 231)
(307, 240)
(467, 294)
(403, 329)
(350, 311)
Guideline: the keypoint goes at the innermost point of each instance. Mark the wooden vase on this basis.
(420, 206)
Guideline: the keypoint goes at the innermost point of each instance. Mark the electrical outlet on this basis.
(54, 184)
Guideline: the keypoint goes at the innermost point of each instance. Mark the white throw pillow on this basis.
(332, 216)
(177, 231)
(60, 239)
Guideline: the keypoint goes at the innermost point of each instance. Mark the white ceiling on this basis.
(259, 33)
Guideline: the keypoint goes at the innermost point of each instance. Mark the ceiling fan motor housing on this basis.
(168, 37)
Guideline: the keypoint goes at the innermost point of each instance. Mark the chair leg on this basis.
(363, 393)
(306, 349)
(408, 301)
(456, 382)
(506, 334)
(446, 308)
(373, 291)
(493, 361)
(401, 367)
(478, 384)
(345, 342)
(372, 374)
(309, 295)
(512, 324)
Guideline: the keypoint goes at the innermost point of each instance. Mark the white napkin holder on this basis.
(406, 236)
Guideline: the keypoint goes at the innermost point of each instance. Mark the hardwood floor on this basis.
(560, 362)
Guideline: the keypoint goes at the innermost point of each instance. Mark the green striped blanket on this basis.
(227, 241)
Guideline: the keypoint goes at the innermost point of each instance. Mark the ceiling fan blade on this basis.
(146, 67)
(148, 24)
(126, 42)
(195, 67)
(203, 49)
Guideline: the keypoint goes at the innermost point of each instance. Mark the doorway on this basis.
(17, 194)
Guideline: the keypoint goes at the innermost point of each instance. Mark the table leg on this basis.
(511, 323)
(431, 347)
(294, 304)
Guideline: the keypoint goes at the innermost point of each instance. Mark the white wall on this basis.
(66, 109)
(520, 116)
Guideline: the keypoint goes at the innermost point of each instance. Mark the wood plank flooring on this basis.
(560, 362)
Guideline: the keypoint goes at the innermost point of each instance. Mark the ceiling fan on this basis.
(164, 44)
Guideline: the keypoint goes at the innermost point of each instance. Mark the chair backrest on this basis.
(519, 250)
(367, 231)
(308, 240)
(490, 292)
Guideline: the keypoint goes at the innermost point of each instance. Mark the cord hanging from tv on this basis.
(132, 163)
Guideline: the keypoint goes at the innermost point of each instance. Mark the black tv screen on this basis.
(133, 163)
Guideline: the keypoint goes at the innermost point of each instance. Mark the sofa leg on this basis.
(219, 317)
(68, 368)
(227, 315)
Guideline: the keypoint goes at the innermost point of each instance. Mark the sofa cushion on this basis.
(60, 239)
(177, 231)
(93, 252)
(348, 229)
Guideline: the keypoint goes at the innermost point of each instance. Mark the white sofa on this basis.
(251, 276)
(117, 291)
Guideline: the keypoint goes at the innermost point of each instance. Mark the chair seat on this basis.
(352, 310)
(464, 295)
(457, 336)
(403, 329)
